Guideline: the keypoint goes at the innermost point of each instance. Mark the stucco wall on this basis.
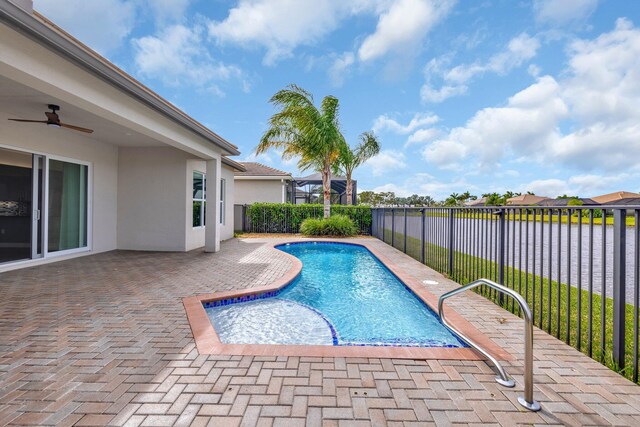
(249, 191)
(103, 158)
(151, 192)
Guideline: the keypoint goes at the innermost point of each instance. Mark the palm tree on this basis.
(350, 159)
(302, 130)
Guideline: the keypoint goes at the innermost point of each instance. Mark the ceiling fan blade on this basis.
(78, 128)
(28, 121)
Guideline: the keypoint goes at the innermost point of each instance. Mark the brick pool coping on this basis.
(208, 342)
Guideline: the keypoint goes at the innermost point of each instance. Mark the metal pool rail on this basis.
(527, 401)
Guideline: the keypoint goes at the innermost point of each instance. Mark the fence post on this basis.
(422, 239)
(384, 216)
(501, 251)
(450, 242)
(393, 227)
(619, 285)
(405, 231)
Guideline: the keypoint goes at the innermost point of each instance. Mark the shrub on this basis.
(337, 225)
(287, 217)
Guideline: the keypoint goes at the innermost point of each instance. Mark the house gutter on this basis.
(74, 51)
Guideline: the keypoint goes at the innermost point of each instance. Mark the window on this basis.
(67, 208)
(199, 191)
(223, 196)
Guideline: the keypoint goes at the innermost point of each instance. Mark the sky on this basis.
(469, 95)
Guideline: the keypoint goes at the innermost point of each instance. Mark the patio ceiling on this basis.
(18, 101)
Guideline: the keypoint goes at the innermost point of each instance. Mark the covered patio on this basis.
(104, 340)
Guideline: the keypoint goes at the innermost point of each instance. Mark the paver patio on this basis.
(104, 339)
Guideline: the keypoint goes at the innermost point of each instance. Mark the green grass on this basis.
(468, 268)
(630, 220)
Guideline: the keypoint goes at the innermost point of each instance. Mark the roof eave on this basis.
(233, 164)
(20, 20)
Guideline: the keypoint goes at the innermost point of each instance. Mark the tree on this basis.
(452, 200)
(492, 199)
(302, 130)
(350, 159)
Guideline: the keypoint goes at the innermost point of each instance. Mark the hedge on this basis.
(287, 217)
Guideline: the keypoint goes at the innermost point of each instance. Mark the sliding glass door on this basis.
(67, 207)
(44, 206)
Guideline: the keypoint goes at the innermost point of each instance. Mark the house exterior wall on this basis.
(151, 192)
(248, 191)
(138, 196)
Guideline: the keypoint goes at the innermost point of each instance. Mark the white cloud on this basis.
(562, 12)
(386, 162)
(603, 90)
(524, 127)
(455, 80)
(278, 25)
(393, 188)
(425, 184)
(419, 127)
(552, 187)
(419, 120)
(423, 135)
(101, 24)
(403, 27)
(588, 120)
(433, 95)
(588, 185)
(447, 154)
(166, 11)
(178, 56)
(340, 68)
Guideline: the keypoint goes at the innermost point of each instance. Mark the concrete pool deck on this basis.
(104, 340)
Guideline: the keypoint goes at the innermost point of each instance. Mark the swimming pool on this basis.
(343, 296)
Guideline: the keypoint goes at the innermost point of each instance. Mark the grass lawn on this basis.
(559, 319)
(630, 220)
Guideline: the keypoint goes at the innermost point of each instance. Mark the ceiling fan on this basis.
(54, 121)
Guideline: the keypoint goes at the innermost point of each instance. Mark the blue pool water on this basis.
(343, 296)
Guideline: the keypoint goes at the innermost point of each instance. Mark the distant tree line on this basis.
(454, 199)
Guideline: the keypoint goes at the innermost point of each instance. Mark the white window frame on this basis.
(201, 200)
(223, 200)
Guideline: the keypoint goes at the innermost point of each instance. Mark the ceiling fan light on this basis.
(53, 125)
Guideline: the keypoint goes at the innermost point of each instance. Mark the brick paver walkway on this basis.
(104, 340)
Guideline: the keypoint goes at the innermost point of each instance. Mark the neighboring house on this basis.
(136, 182)
(618, 197)
(525, 200)
(565, 202)
(261, 183)
(478, 202)
(308, 189)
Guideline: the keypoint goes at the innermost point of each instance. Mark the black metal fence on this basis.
(578, 267)
(286, 217)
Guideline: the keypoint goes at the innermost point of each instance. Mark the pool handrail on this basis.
(527, 401)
